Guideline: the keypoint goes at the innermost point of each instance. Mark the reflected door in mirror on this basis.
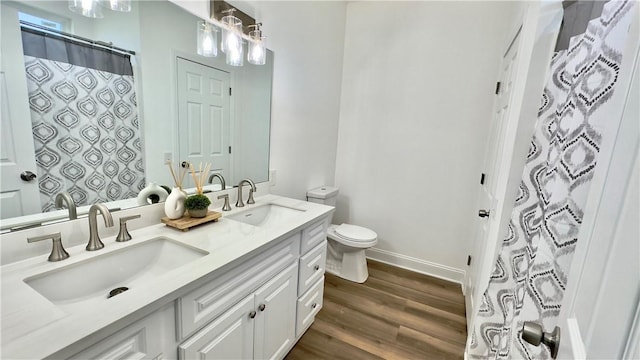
(203, 117)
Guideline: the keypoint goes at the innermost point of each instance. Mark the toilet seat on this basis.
(352, 235)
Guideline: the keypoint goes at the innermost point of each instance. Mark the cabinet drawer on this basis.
(313, 235)
(308, 307)
(312, 265)
(198, 307)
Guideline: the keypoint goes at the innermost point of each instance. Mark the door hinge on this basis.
(230, 92)
(468, 260)
(482, 178)
(498, 87)
(229, 149)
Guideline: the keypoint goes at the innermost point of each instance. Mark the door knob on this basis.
(185, 164)
(483, 213)
(252, 314)
(533, 334)
(262, 307)
(27, 176)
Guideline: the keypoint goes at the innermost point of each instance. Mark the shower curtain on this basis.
(530, 274)
(84, 120)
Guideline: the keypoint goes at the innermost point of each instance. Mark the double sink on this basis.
(93, 280)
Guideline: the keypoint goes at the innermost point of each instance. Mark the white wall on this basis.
(417, 94)
(307, 38)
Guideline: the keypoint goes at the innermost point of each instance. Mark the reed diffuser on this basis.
(198, 204)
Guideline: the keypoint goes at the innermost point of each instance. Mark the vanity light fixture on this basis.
(236, 28)
(257, 53)
(93, 9)
(88, 8)
(120, 5)
(207, 39)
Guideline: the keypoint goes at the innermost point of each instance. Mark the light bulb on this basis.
(207, 41)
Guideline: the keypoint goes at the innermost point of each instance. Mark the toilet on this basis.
(346, 243)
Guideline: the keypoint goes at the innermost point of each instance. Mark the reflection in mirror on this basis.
(102, 134)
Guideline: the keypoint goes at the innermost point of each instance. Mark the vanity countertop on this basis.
(33, 327)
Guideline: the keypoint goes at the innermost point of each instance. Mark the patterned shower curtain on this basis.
(84, 120)
(530, 274)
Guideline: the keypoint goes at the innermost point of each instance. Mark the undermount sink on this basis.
(265, 215)
(96, 278)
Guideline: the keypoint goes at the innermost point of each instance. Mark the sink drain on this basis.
(117, 291)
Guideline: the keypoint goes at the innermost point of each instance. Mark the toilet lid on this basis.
(355, 233)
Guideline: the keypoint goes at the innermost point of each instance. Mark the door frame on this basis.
(539, 25)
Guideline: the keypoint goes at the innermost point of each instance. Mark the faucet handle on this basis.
(57, 251)
(123, 234)
(226, 206)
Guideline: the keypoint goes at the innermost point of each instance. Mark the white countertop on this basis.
(32, 327)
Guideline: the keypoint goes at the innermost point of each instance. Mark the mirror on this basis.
(170, 124)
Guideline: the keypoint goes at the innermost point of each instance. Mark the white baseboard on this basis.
(418, 265)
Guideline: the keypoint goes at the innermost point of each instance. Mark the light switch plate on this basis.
(272, 177)
(167, 157)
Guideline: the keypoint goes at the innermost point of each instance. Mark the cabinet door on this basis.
(228, 337)
(275, 327)
(149, 338)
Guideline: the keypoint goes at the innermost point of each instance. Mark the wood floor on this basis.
(395, 314)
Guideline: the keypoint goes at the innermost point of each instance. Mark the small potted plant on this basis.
(198, 204)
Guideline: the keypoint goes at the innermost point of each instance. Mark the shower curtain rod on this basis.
(75, 37)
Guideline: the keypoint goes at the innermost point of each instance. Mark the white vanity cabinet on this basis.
(256, 307)
(260, 326)
(266, 323)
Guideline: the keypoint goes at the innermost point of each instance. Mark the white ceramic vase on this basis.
(151, 189)
(174, 205)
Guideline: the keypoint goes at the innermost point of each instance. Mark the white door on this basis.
(230, 336)
(523, 74)
(600, 316)
(17, 197)
(203, 117)
(487, 200)
(275, 329)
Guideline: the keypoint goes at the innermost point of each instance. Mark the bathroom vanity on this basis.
(247, 286)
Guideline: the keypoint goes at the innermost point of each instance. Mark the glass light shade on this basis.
(120, 5)
(232, 26)
(257, 52)
(207, 39)
(88, 8)
(234, 50)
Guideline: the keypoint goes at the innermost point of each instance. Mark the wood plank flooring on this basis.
(395, 314)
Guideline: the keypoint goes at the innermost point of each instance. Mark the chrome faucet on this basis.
(71, 205)
(239, 203)
(94, 239)
(220, 177)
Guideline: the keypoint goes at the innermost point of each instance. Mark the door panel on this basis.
(493, 154)
(203, 117)
(17, 197)
(275, 324)
(228, 337)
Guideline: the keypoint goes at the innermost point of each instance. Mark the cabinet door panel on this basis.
(228, 337)
(275, 324)
(149, 338)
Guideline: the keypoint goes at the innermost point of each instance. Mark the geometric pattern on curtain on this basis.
(530, 274)
(86, 132)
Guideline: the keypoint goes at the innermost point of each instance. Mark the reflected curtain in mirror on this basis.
(84, 118)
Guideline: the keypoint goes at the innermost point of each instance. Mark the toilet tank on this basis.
(323, 195)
